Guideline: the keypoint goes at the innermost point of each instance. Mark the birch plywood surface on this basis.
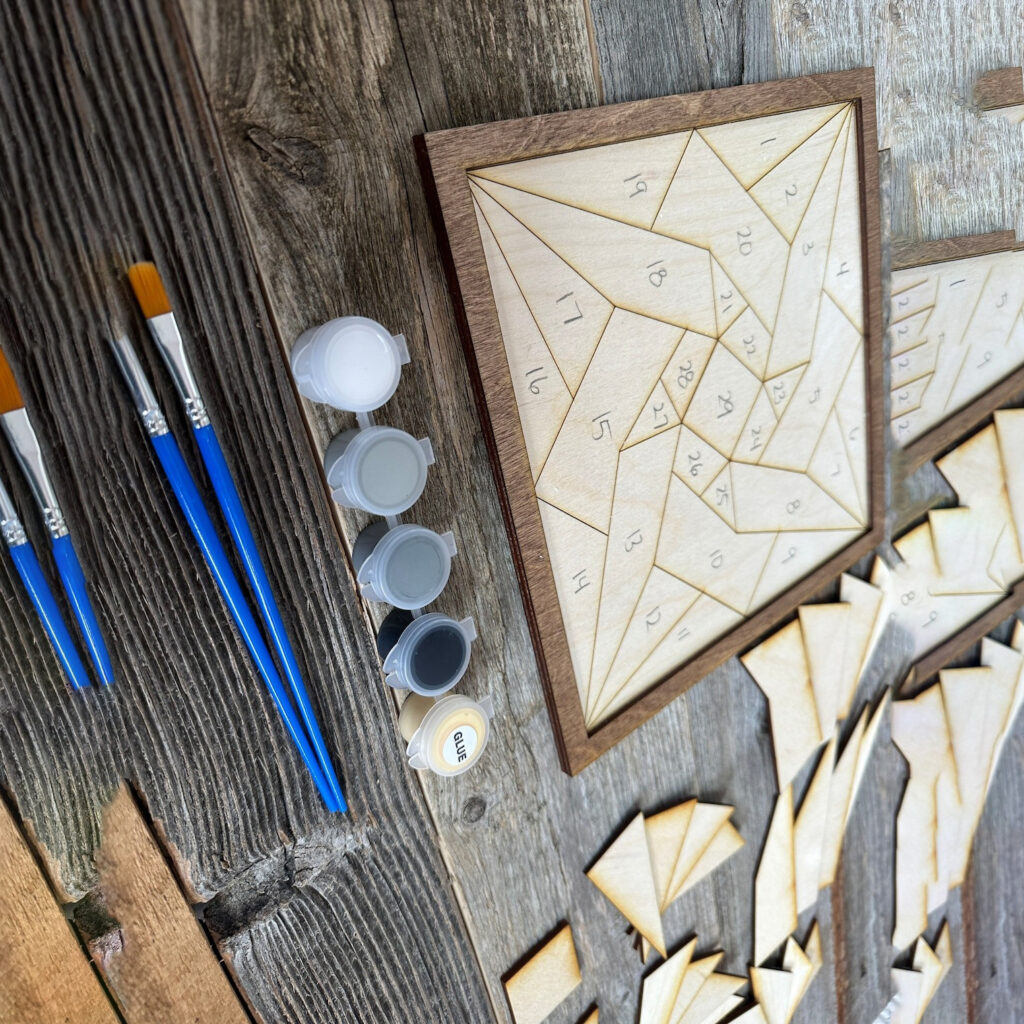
(682, 331)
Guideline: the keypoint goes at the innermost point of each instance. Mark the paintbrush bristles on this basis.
(10, 396)
(149, 289)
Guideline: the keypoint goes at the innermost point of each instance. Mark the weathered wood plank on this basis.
(45, 975)
(107, 154)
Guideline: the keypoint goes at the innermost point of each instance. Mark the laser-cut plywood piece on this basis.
(687, 991)
(624, 874)
(1000, 93)
(672, 308)
(775, 915)
(952, 735)
(957, 335)
(916, 986)
(590, 1018)
(545, 980)
(661, 986)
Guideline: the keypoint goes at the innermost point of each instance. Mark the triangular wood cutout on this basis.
(995, 655)
(708, 207)
(577, 553)
(755, 1015)
(696, 974)
(777, 499)
(809, 830)
(658, 414)
(541, 393)
(839, 798)
(1009, 424)
(781, 387)
(728, 301)
(663, 602)
(805, 273)
(779, 667)
(545, 980)
(626, 181)
(775, 885)
(752, 148)
(697, 462)
(725, 842)
(719, 496)
(785, 191)
(929, 966)
(867, 746)
(570, 313)
(713, 998)
(705, 824)
(749, 340)
(638, 505)
(722, 401)
(686, 368)
(772, 990)
(830, 469)
(665, 835)
(724, 1011)
(579, 475)
(844, 276)
(661, 986)
(831, 659)
(866, 621)
(623, 873)
(908, 990)
(605, 252)
(850, 410)
(756, 431)
(802, 969)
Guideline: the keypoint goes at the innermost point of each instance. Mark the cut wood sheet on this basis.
(713, 1000)
(867, 746)
(697, 973)
(931, 969)
(908, 991)
(833, 657)
(666, 832)
(755, 1015)
(804, 966)
(164, 968)
(775, 916)
(707, 823)
(46, 976)
(809, 830)
(623, 873)
(866, 621)
(772, 990)
(779, 667)
(544, 982)
(724, 844)
(840, 796)
(661, 986)
(1009, 427)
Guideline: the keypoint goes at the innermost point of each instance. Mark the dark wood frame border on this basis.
(1003, 87)
(907, 256)
(445, 158)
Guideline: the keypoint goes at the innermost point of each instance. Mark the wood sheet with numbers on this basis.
(675, 335)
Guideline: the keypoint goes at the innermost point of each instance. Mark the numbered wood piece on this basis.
(957, 336)
(672, 315)
(547, 978)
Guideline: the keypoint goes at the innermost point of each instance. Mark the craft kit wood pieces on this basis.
(672, 313)
(545, 981)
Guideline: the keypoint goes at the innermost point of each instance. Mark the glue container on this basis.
(447, 735)
(382, 470)
(428, 654)
(407, 566)
(351, 363)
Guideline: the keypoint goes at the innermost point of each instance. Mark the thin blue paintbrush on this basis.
(39, 592)
(156, 308)
(22, 436)
(191, 504)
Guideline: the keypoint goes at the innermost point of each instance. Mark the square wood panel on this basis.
(671, 309)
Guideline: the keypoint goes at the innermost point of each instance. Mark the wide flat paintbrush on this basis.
(205, 533)
(156, 308)
(25, 561)
(19, 430)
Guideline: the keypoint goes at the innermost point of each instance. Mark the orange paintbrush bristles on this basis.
(149, 289)
(10, 396)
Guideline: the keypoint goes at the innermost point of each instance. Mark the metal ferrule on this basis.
(10, 525)
(18, 429)
(164, 329)
(128, 363)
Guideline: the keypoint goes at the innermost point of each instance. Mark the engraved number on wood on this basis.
(639, 186)
(634, 540)
(657, 277)
(581, 580)
(579, 312)
(716, 558)
(535, 382)
(686, 374)
(726, 403)
(660, 416)
(792, 192)
(604, 426)
(695, 464)
(743, 242)
(653, 617)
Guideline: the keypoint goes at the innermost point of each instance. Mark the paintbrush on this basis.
(156, 308)
(25, 561)
(205, 533)
(22, 436)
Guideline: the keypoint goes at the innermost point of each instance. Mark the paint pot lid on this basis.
(384, 469)
(431, 655)
(361, 362)
(409, 566)
(452, 735)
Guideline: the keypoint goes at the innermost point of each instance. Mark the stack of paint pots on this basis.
(355, 364)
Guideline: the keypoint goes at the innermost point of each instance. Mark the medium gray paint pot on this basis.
(407, 566)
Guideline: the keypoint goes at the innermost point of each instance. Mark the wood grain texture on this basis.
(129, 165)
(164, 966)
(447, 156)
(1002, 87)
(45, 975)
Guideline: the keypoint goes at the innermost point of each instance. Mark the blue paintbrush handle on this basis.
(43, 601)
(238, 525)
(203, 530)
(73, 578)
